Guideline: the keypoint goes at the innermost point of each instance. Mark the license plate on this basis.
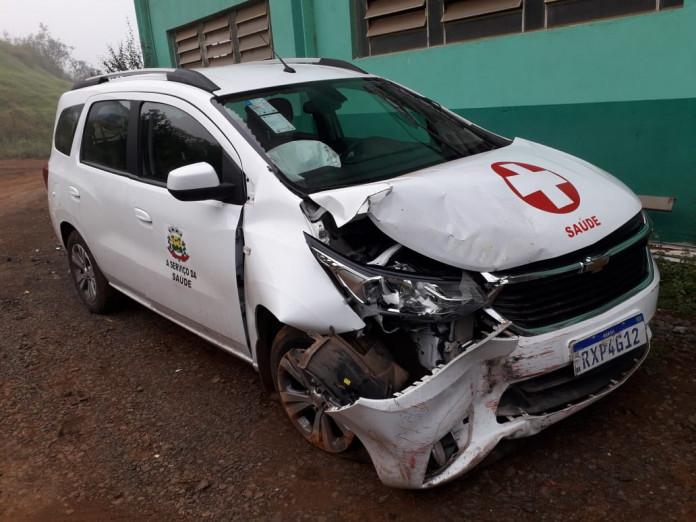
(608, 344)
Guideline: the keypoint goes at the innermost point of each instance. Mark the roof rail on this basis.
(342, 64)
(194, 78)
(329, 62)
(186, 76)
(102, 78)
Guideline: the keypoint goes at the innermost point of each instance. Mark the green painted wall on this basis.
(650, 145)
(640, 57)
(620, 93)
(157, 17)
(291, 20)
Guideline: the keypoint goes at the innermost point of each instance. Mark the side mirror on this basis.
(198, 182)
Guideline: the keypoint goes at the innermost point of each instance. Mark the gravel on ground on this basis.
(129, 417)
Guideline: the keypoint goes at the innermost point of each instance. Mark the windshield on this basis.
(337, 133)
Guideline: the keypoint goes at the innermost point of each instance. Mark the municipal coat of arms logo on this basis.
(176, 244)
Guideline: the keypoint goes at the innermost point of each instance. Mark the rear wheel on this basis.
(90, 283)
(301, 397)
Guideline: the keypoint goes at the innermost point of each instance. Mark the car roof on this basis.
(226, 79)
(270, 73)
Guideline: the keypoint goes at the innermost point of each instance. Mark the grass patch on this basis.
(678, 285)
(29, 95)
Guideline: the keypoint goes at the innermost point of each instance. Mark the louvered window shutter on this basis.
(460, 9)
(217, 40)
(238, 35)
(188, 48)
(394, 16)
(253, 32)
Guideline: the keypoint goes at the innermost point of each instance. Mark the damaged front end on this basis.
(403, 296)
(403, 384)
(436, 378)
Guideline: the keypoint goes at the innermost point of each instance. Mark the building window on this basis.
(238, 35)
(384, 26)
(467, 19)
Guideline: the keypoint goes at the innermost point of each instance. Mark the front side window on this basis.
(105, 138)
(65, 128)
(170, 139)
(343, 132)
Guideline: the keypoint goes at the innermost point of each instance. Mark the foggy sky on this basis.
(87, 25)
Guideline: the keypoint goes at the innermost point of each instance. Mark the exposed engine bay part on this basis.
(399, 289)
(337, 371)
(361, 241)
(441, 342)
(428, 348)
(347, 371)
(385, 257)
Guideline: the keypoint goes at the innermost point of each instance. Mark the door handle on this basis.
(142, 215)
(74, 192)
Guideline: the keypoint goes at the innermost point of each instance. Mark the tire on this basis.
(300, 397)
(91, 285)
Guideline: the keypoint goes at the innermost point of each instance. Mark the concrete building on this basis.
(612, 81)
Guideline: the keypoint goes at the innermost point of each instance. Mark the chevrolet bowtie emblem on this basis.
(594, 264)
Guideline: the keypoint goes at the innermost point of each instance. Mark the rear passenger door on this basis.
(61, 166)
(188, 248)
(101, 188)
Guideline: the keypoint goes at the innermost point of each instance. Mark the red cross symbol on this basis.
(539, 187)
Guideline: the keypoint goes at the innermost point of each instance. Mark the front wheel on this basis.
(90, 283)
(301, 398)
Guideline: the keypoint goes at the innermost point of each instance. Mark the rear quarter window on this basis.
(65, 128)
(105, 138)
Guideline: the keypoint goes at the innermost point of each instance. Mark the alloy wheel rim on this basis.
(83, 272)
(306, 407)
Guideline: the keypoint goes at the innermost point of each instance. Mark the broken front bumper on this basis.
(462, 400)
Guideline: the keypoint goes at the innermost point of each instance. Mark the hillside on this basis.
(28, 97)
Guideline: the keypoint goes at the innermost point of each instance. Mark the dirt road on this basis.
(129, 417)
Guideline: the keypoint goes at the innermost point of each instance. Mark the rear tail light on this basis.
(44, 171)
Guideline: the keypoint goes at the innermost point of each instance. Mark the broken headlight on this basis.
(381, 291)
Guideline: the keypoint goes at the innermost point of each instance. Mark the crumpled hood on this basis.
(492, 211)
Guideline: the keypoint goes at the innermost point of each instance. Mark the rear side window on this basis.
(104, 142)
(65, 129)
(170, 139)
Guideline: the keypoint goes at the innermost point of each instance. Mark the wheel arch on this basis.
(267, 326)
(66, 229)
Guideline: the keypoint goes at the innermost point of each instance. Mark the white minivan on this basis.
(402, 278)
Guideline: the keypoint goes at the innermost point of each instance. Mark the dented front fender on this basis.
(462, 400)
(399, 432)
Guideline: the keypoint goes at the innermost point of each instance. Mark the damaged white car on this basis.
(403, 278)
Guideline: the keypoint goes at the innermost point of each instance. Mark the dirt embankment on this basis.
(129, 417)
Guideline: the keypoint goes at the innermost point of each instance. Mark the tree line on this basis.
(57, 57)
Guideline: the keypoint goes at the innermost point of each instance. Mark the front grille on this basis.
(559, 389)
(556, 299)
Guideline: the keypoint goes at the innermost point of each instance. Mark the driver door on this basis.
(188, 248)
